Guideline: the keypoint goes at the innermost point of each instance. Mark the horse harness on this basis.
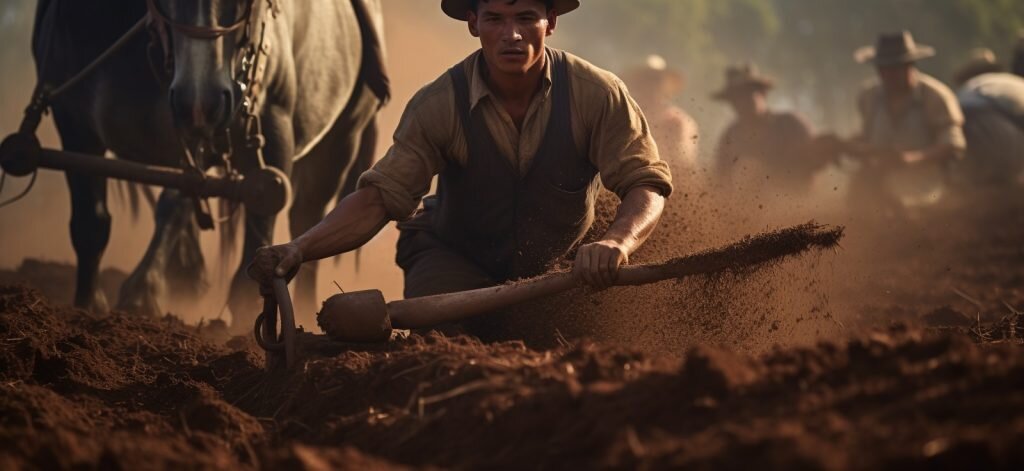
(251, 62)
(248, 71)
(248, 80)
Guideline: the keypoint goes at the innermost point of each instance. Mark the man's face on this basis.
(748, 103)
(512, 33)
(897, 78)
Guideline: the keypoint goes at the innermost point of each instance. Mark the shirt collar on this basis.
(478, 89)
(916, 93)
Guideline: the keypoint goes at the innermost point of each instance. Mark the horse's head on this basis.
(210, 43)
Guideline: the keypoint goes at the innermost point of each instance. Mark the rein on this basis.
(197, 32)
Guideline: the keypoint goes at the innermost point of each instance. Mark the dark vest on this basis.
(515, 225)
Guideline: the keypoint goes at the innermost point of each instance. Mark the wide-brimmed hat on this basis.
(743, 78)
(457, 8)
(893, 49)
(982, 61)
(655, 71)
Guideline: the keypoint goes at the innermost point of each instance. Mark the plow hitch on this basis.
(280, 346)
(264, 191)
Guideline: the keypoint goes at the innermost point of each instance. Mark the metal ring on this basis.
(263, 343)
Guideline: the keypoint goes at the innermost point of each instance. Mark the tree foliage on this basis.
(806, 44)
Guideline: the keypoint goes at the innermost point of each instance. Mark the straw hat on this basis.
(743, 77)
(457, 8)
(893, 49)
(655, 72)
(982, 61)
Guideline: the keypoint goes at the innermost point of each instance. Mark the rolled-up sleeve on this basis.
(405, 173)
(621, 145)
(945, 119)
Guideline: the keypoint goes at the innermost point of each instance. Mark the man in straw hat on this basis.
(911, 128)
(993, 107)
(655, 85)
(772, 147)
(518, 134)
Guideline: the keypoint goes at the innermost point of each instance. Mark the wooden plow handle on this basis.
(746, 254)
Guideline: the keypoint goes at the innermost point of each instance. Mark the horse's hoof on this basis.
(96, 304)
(137, 302)
(142, 306)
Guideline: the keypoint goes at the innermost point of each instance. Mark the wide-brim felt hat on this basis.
(655, 70)
(457, 8)
(893, 49)
(743, 78)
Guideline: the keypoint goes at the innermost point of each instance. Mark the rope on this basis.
(139, 26)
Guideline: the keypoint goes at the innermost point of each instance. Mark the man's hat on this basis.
(655, 72)
(457, 8)
(893, 49)
(743, 77)
(982, 61)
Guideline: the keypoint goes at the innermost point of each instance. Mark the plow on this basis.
(365, 316)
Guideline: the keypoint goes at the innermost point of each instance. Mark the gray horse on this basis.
(320, 85)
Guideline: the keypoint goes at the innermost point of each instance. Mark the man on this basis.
(655, 85)
(519, 134)
(993, 105)
(911, 129)
(776, 148)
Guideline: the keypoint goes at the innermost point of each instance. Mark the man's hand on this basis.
(278, 261)
(597, 264)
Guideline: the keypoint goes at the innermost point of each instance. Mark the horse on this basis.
(281, 83)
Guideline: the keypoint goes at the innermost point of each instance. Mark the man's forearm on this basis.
(636, 218)
(353, 222)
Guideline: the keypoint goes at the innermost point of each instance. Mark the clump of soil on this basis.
(81, 391)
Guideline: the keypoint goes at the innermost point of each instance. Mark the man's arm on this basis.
(945, 120)
(357, 218)
(353, 222)
(598, 263)
(391, 190)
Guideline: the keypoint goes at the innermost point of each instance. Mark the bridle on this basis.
(161, 25)
(199, 32)
(247, 68)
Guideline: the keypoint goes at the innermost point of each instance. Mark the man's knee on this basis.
(430, 267)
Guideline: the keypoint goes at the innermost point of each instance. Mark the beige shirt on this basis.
(607, 126)
(933, 117)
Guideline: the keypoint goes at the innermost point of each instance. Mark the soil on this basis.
(114, 392)
(926, 372)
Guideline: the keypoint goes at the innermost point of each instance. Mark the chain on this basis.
(252, 68)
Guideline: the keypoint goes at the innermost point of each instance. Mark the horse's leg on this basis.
(90, 218)
(173, 254)
(243, 297)
(185, 267)
(318, 177)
